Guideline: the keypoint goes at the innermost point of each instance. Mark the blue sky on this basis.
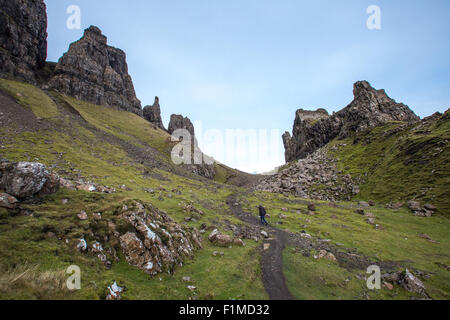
(251, 63)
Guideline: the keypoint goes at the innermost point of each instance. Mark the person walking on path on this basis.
(262, 215)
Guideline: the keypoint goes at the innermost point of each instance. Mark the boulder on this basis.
(223, 240)
(82, 215)
(312, 207)
(25, 179)
(7, 201)
(414, 205)
(364, 204)
(154, 242)
(114, 292)
(411, 283)
(52, 184)
(430, 207)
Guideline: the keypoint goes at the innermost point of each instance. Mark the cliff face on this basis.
(153, 114)
(370, 108)
(23, 38)
(95, 72)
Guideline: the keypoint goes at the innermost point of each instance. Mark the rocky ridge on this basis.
(93, 71)
(370, 108)
(23, 38)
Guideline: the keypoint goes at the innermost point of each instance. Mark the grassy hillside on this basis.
(79, 140)
(401, 163)
(112, 148)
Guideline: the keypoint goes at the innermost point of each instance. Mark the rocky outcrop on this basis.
(370, 108)
(200, 164)
(179, 122)
(315, 177)
(26, 179)
(153, 114)
(155, 243)
(23, 38)
(95, 72)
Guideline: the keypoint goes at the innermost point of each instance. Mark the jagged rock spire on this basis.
(153, 114)
(95, 72)
(370, 108)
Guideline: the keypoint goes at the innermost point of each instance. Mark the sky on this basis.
(250, 64)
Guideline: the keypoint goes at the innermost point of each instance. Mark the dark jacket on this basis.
(262, 211)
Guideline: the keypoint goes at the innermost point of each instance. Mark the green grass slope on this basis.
(398, 163)
(113, 148)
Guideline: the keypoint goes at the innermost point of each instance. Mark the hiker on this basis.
(262, 215)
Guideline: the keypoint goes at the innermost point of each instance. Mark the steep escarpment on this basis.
(23, 38)
(370, 108)
(95, 72)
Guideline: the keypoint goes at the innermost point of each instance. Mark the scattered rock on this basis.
(264, 234)
(266, 246)
(158, 244)
(7, 201)
(394, 206)
(370, 221)
(82, 245)
(239, 242)
(414, 205)
(114, 292)
(323, 254)
(427, 237)
(370, 215)
(82, 215)
(388, 285)
(187, 279)
(430, 207)
(364, 204)
(312, 207)
(411, 283)
(282, 216)
(217, 253)
(360, 211)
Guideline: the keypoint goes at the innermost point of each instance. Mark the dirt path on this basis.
(272, 259)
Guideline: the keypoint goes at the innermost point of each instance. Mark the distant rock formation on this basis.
(23, 38)
(153, 114)
(95, 72)
(179, 122)
(370, 108)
